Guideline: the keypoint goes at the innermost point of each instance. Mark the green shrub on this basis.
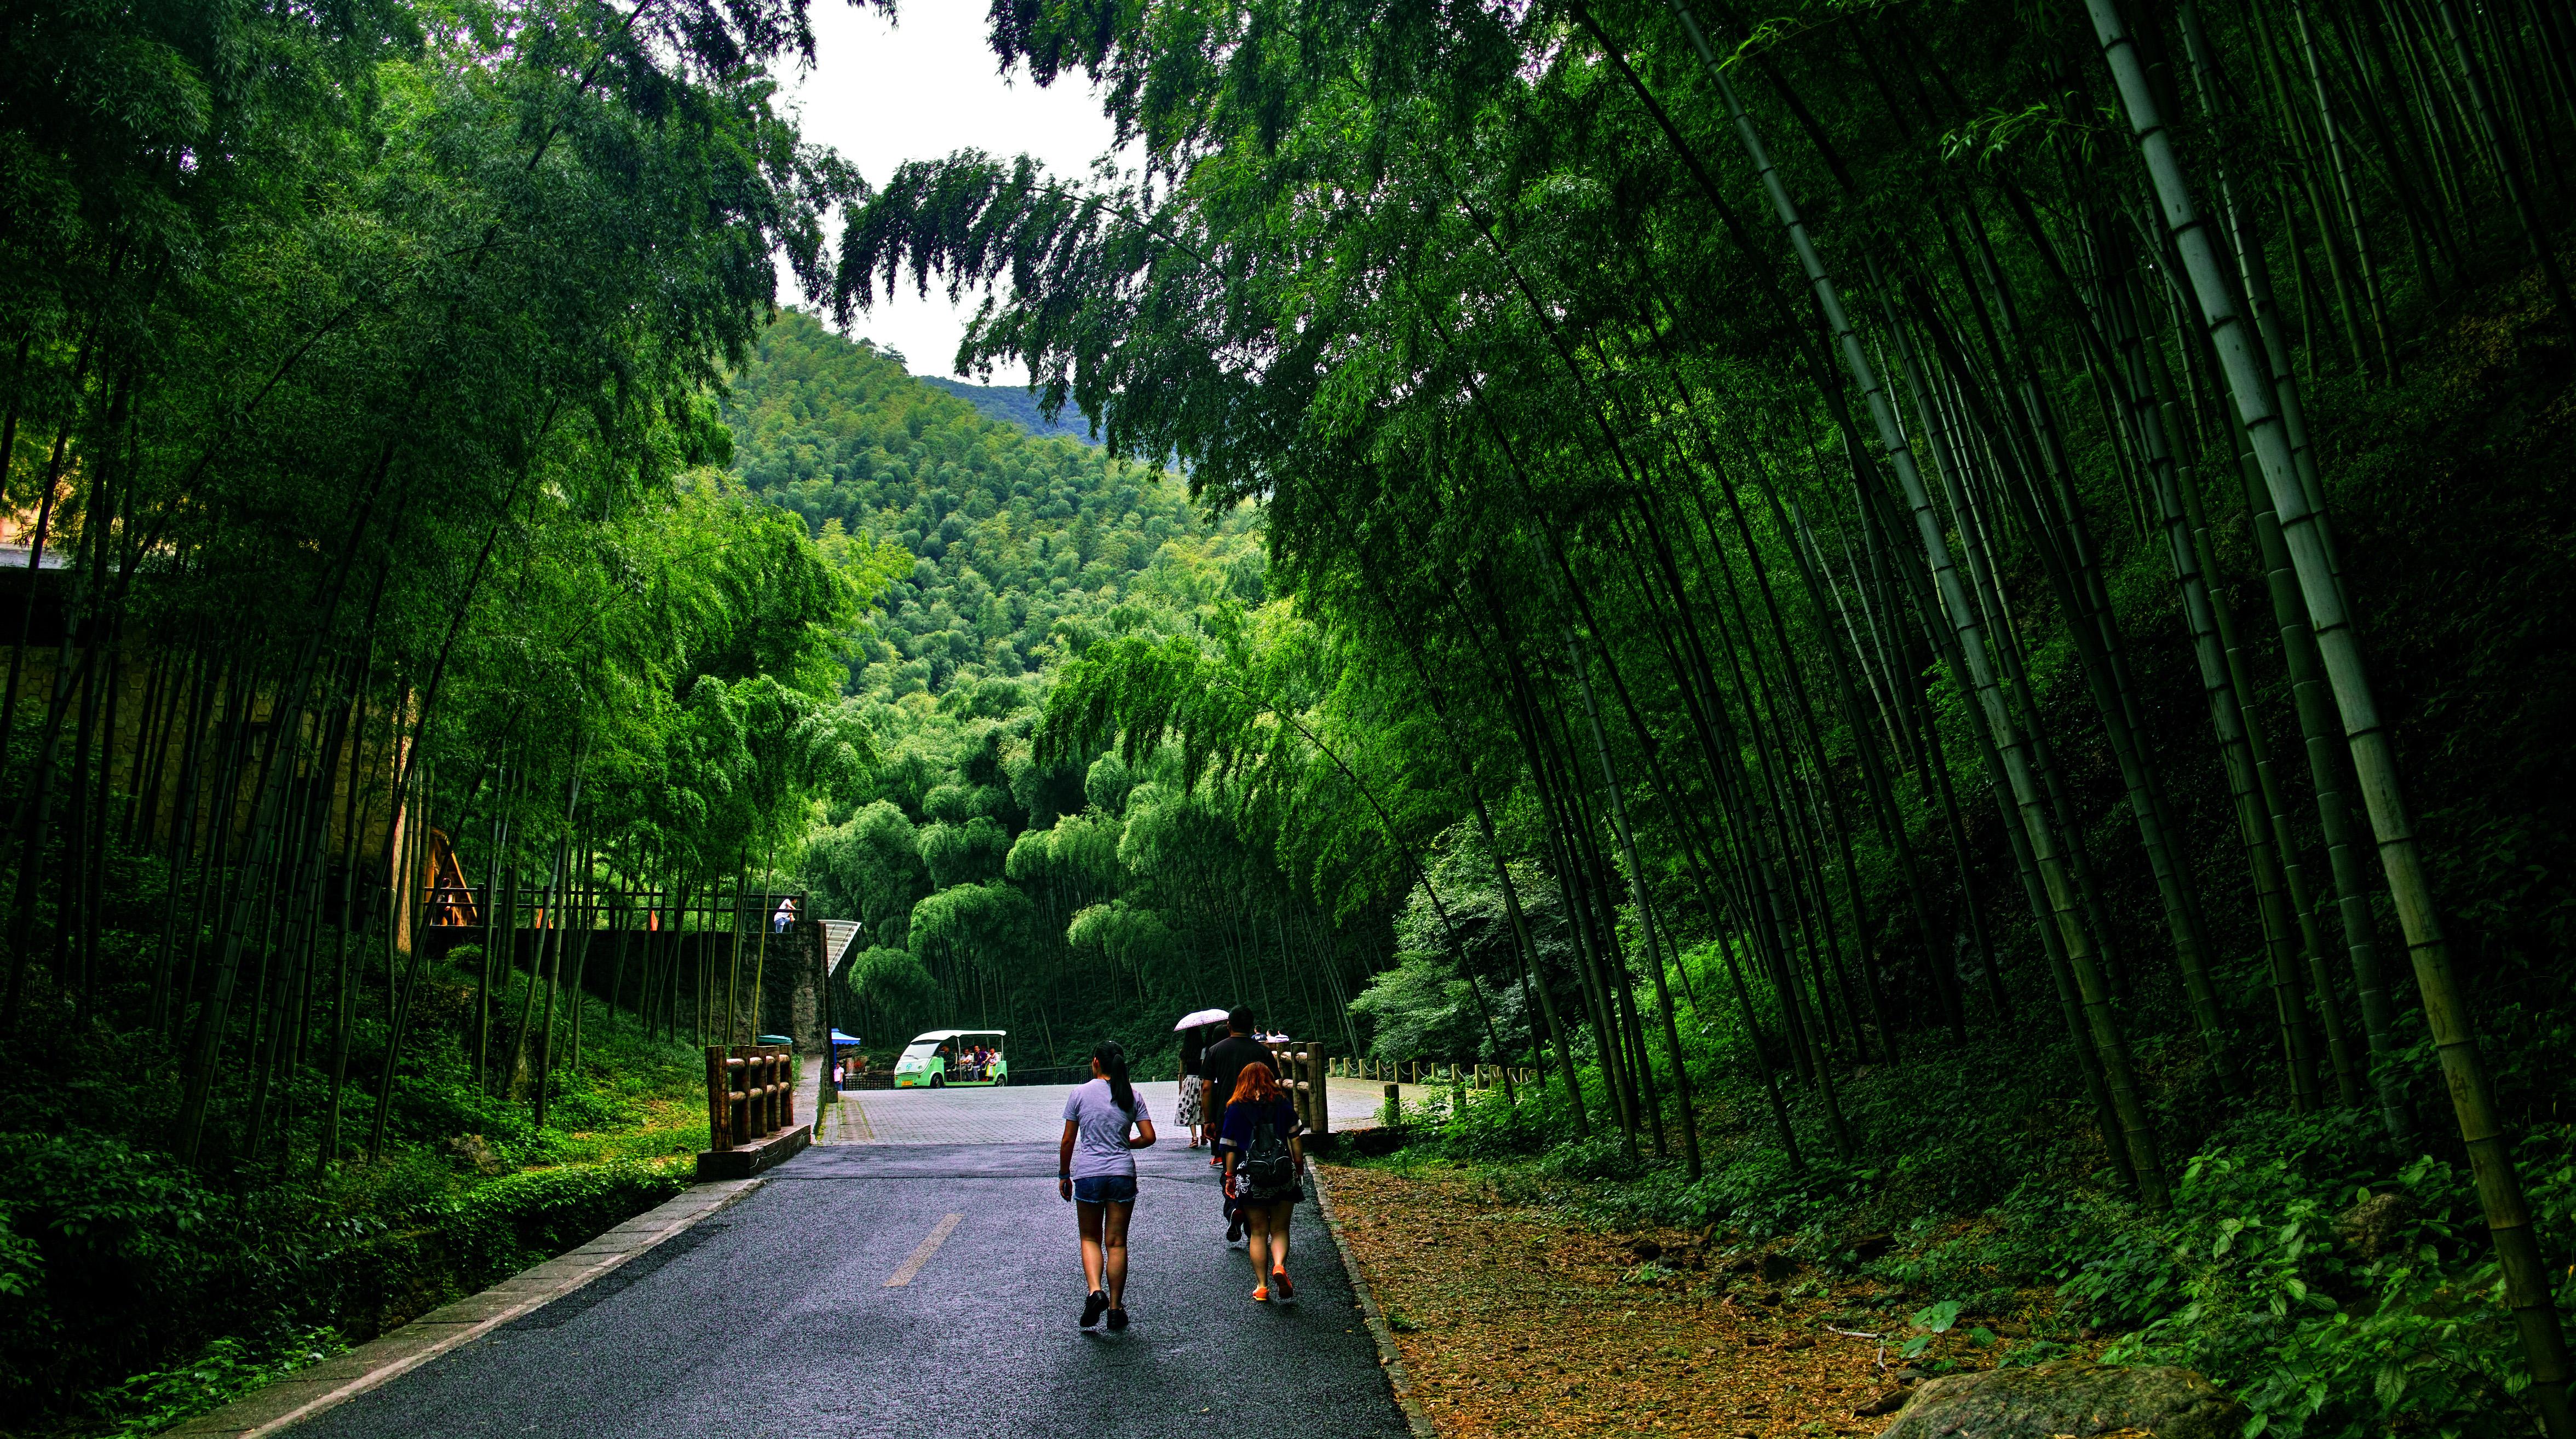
(223, 1371)
(105, 1252)
(542, 1212)
(2319, 1334)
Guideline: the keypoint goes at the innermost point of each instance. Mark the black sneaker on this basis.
(1096, 1301)
(1117, 1320)
(1234, 1229)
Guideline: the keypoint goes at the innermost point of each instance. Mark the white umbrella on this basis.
(1195, 1019)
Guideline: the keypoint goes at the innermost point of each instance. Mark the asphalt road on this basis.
(776, 1318)
(1015, 1111)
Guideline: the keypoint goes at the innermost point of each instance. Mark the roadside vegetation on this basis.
(371, 520)
(1944, 614)
(1950, 618)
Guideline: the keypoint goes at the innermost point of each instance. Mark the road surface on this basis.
(783, 1315)
(1013, 1112)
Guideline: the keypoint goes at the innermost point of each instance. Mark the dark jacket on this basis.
(1225, 1060)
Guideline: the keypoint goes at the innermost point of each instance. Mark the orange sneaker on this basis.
(1261, 1294)
(1279, 1281)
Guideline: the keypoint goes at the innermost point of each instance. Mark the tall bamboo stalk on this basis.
(2446, 1013)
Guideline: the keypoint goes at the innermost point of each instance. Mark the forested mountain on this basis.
(1054, 890)
(1015, 405)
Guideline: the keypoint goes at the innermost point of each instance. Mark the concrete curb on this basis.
(746, 1160)
(307, 1392)
(1389, 1358)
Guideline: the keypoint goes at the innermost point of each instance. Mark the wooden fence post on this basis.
(719, 1100)
(766, 1061)
(1320, 1065)
(788, 1076)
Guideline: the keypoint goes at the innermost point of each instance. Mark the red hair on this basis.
(1256, 1083)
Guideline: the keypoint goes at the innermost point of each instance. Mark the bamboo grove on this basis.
(366, 491)
(1842, 503)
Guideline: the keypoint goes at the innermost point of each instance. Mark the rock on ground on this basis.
(2068, 1398)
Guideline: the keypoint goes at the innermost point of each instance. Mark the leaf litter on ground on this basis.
(1523, 1319)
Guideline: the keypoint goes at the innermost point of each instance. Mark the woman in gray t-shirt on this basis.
(1096, 1169)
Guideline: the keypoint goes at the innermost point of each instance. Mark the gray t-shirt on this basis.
(1100, 1144)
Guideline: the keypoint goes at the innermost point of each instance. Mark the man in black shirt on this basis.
(1224, 1061)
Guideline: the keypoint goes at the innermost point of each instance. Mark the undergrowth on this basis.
(2337, 1284)
(136, 1290)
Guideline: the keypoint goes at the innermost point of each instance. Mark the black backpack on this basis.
(1269, 1165)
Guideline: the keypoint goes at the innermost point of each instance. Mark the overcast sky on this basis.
(882, 92)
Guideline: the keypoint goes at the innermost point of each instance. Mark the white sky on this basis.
(917, 88)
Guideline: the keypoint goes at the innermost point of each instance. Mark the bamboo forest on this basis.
(1942, 632)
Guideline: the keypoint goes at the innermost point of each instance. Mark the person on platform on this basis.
(1104, 1124)
(785, 918)
(1265, 1173)
(1223, 1062)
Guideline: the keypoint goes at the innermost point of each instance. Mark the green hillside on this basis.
(1013, 404)
(1012, 535)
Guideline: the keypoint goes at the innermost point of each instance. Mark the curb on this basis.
(1389, 1358)
(307, 1392)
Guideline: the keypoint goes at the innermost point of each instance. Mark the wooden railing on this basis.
(1430, 1071)
(1302, 1067)
(751, 1093)
(450, 903)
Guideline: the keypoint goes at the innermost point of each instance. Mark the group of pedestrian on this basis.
(1232, 1101)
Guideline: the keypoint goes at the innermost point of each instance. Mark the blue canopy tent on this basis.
(832, 1056)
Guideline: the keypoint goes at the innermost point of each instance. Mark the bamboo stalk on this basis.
(2499, 1188)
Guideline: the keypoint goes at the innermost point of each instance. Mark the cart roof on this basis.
(936, 1035)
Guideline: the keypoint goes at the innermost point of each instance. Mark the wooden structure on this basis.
(1302, 1068)
(751, 1110)
(1432, 1071)
(640, 948)
(451, 903)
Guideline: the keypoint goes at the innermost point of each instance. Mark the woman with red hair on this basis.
(1265, 1170)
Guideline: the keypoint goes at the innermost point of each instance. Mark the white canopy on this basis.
(938, 1036)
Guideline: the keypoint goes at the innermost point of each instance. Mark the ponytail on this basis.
(1113, 1063)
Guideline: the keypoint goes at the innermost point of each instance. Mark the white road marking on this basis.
(938, 1235)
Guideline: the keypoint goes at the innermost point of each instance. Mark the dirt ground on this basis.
(1521, 1320)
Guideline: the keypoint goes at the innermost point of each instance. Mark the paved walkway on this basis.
(908, 1290)
(1036, 1111)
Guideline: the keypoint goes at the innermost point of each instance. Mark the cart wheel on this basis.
(1000, 1079)
(937, 1082)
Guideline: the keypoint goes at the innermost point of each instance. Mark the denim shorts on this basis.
(1106, 1189)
